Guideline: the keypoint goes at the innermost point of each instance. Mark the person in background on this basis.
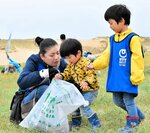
(90, 56)
(62, 37)
(39, 67)
(125, 60)
(9, 69)
(14, 63)
(86, 81)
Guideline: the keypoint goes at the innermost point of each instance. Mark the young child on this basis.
(71, 50)
(126, 64)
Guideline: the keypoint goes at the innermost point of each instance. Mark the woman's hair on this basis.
(46, 44)
(117, 12)
(38, 40)
(70, 46)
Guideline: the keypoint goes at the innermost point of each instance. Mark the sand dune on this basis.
(19, 55)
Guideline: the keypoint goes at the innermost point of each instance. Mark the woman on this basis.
(39, 67)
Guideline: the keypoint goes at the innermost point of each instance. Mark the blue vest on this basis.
(119, 72)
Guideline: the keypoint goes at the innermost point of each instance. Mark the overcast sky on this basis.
(82, 19)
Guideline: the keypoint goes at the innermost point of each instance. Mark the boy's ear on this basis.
(122, 20)
(79, 52)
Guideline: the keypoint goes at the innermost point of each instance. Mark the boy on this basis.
(126, 64)
(85, 80)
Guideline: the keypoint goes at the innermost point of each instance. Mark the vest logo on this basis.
(122, 57)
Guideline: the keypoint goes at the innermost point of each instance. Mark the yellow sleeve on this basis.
(91, 77)
(137, 61)
(102, 61)
(67, 73)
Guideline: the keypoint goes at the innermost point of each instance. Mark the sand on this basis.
(20, 55)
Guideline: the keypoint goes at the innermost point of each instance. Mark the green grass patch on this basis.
(112, 117)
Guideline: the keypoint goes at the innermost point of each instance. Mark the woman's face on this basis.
(52, 56)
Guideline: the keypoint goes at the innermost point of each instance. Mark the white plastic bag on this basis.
(50, 112)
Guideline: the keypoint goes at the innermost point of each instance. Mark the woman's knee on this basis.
(40, 91)
(29, 97)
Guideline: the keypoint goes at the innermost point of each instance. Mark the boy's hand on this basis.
(89, 67)
(58, 76)
(84, 86)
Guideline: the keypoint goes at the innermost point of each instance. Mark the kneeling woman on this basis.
(39, 67)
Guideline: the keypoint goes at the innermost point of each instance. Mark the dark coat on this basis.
(30, 76)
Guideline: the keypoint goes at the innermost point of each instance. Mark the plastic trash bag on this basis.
(50, 112)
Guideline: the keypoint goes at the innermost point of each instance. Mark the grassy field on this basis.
(112, 117)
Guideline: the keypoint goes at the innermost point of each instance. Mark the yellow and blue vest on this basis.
(120, 66)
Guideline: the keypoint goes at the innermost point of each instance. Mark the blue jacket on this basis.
(30, 76)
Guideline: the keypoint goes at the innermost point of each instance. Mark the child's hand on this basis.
(89, 67)
(84, 86)
(58, 76)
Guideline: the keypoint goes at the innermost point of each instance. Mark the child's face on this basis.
(117, 27)
(73, 58)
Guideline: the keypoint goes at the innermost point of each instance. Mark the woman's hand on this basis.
(89, 67)
(58, 76)
(44, 73)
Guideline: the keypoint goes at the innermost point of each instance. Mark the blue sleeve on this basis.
(30, 75)
(14, 63)
(62, 65)
(10, 60)
(85, 55)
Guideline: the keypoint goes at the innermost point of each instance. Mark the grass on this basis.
(112, 117)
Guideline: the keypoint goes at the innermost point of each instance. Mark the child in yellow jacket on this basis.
(85, 80)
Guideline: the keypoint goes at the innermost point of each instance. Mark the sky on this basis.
(81, 19)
